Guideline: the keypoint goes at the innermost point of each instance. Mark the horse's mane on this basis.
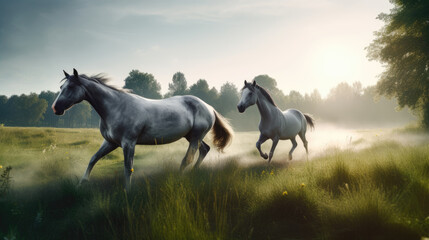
(263, 91)
(103, 80)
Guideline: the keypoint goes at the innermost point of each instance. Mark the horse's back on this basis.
(294, 123)
(176, 117)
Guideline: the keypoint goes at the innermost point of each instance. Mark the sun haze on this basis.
(304, 45)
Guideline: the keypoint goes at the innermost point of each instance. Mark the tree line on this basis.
(346, 104)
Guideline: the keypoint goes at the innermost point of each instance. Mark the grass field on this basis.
(367, 184)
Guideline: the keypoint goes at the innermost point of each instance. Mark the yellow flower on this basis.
(284, 193)
(1, 166)
(263, 172)
(272, 172)
(132, 169)
(302, 185)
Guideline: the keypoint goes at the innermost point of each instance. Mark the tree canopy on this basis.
(178, 86)
(403, 45)
(143, 84)
(201, 89)
(229, 97)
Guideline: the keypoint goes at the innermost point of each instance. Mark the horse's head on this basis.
(71, 93)
(248, 96)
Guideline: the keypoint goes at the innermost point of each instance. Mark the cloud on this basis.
(183, 11)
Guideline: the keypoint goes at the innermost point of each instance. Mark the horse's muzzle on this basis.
(241, 108)
(56, 112)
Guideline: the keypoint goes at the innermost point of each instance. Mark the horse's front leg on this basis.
(128, 149)
(261, 140)
(106, 148)
(273, 147)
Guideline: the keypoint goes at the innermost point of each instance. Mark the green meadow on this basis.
(374, 185)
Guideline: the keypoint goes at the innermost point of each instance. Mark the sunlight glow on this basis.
(336, 63)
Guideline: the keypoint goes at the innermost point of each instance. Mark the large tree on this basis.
(403, 45)
(179, 86)
(228, 98)
(143, 84)
(266, 82)
(201, 89)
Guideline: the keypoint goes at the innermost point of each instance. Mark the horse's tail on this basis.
(222, 132)
(310, 120)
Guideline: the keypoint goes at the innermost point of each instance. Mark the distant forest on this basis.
(345, 105)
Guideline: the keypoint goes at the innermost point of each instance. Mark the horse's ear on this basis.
(245, 82)
(254, 83)
(66, 74)
(76, 76)
(75, 73)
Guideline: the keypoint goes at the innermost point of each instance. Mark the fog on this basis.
(64, 159)
(325, 139)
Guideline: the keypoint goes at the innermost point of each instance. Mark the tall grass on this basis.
(381, 192)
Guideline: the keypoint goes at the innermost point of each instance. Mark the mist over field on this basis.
(63, 153)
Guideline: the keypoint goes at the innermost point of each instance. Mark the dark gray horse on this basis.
(127, 119)
(275, 124)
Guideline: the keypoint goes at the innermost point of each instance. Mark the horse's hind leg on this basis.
(128, 150)
(304, 141)
(294, 144)
(189, 156)
(204, 149)
(106, 148)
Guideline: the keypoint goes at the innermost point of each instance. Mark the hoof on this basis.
(290, 157)
(265, 156)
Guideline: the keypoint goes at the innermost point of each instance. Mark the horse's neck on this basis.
(266, 109)
(101, 98)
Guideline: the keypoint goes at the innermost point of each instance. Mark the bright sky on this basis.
(303, 44)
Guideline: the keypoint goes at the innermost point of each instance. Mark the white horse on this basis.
(127, 120)
(275, 124)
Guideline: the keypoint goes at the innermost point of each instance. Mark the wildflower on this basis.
(272, 172)
(1, 166)
(302, 185)
(263, 172)
(132, 169)
(284, 193)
